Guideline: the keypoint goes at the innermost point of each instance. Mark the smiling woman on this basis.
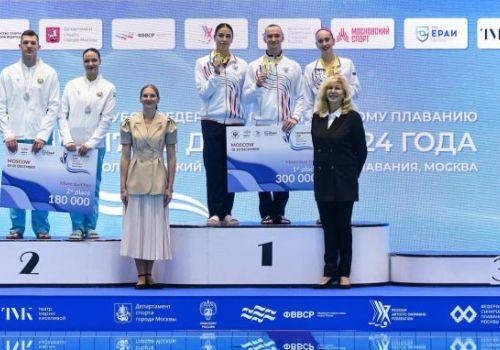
(87, 109)
(146, 185)
(219, 80)
(339, 154)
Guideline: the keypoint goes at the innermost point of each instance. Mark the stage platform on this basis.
(367, 309)
(264, 340)
(247, 254)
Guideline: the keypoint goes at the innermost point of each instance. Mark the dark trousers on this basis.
(220, 202)
(272, 203)
(336, 221)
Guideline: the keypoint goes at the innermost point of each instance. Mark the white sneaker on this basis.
(230, 221)
(213, 221)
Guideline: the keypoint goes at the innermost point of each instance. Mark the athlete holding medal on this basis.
(327, 66)
(219, 80)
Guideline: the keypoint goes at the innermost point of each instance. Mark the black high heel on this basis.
(154, 285)
(142, 286)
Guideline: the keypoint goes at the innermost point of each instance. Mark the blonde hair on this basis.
(322, 100)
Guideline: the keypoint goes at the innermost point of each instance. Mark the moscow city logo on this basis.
(342, 36)
(380, 316)
(422, 33)
(468, 314)
(53, 34)
(123, 313)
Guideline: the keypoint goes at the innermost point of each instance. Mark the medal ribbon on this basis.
(332, 68)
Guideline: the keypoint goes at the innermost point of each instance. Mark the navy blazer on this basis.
(339, 154)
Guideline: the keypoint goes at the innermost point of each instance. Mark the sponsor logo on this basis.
(488, 33)
(435, 33)
(10, 33)
(18, 344)
(380, 317)
(122, 344)
(463, 344)
(438, 34)
(71, 34)
(422, 33)
(297, 31)
(235, 134)
(53, 34)
(125, 35)
(143, 34)
(259, 344)
(296, 141)
(298, 314)
(74, 167)
(17, 314)
(363, 33)
(459, 315)
(199, 32)
(342, 36)
(208, 309)
(258, 314)
(123, 313)
(208, 35)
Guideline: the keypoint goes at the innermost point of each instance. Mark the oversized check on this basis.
(53, 179)
(264, 158)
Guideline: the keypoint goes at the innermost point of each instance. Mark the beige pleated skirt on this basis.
(146, 232)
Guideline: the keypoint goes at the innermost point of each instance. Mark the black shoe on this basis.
(281, 220)
(268, 220)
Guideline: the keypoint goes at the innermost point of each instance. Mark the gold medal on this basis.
(331, 69)
(219, 59)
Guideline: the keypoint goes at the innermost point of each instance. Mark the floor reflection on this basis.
(272, 340)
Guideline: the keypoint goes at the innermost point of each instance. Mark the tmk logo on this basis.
(19, 314)
(18, 344)
(490, 33)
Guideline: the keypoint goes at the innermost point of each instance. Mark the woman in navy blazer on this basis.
(339, 154)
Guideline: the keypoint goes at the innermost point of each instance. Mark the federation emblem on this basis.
(40, 80)
(468, 314)
(123, 313)
(422, 33)
(381, 316)
(208, 309)
(99, 94)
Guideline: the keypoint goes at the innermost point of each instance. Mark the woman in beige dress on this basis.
(146, 186)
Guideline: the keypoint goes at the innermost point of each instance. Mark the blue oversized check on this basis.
(264, 158)
(53, 179)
